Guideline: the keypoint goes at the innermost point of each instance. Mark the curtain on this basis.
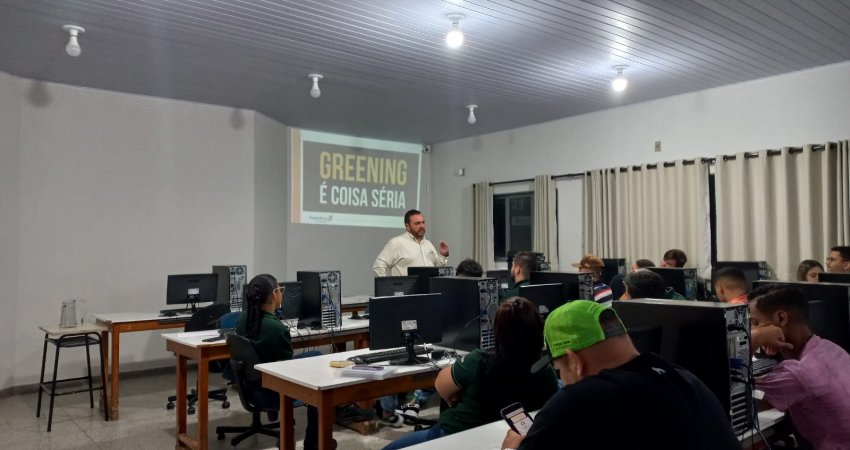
(783, 208)
(545, 232)
(482, 224)
(643, 211)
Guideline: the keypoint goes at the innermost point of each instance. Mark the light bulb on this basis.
(619, 84)
(471, 119)
(315, 92)
(454, 38)
(73, 48)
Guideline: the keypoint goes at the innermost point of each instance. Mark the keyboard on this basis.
(763, 366)
(388, 355)
(174, 312)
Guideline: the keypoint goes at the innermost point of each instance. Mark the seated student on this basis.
(615, 397)
(469, 268)
(674, 258)
(838, 260)
(481, 383)
(812, 383)
(521, 267)
(272, 340)
(730, 286)
(617, 287)
(644, 284)
(593, 265)
(808, 271)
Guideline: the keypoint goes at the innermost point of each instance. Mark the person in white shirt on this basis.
(411, 249)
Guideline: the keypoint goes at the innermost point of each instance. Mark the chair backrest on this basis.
(229, 320)
(207, 318)
(243, 357)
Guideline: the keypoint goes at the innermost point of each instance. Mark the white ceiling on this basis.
(387, 71)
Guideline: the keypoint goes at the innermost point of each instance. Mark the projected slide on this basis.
(343, 180)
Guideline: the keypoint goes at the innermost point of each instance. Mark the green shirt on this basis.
(481, 403)
(513, 291)
(273, 342)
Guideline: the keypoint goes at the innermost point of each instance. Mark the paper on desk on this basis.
(205, 334)
(771, 414)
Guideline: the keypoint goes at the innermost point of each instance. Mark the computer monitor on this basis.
(834, 323)
(612, 267)
(683, 281)
(391, 317)
(291, 308)
(468, 306)
(753, 271)
(390, 286)
(504, 277)
(547, 297)
(576, 285)
(191, 289)
(834, 277)
(321, 299)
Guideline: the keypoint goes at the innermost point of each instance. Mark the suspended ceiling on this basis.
(387, 71)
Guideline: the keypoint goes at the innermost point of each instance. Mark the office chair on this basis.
(205, 319)
(226, 323)
(255, 399)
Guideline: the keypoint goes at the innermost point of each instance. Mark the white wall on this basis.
(9, 213)
(804, 107)
(115, 192)
(271, 201)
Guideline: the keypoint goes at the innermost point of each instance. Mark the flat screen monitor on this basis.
(547, 297)
(833, 277)
(291, 307)
(504, 277)
(387, 314)
(612, 267)
(390, 286)
(834, 319)
(683, 281)
(191, 289)
(576, 286)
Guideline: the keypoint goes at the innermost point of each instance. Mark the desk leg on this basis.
(203, 402)
(181, 399)
(327, 411)
(361, 343)
(287, 433)
(104, 361)
(114, 376)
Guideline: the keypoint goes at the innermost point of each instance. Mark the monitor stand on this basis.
(412, 360)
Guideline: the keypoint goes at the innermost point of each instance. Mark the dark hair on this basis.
(469, 268)
(676, 255)
(256, 293)
(518, 331)
(410, 214)
(774, 297)
(842, 250)
(644, 263)
(526, 261)
(731, 274)
(645, 284)
(805, 266)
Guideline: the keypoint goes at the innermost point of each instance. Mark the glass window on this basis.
(512, 223)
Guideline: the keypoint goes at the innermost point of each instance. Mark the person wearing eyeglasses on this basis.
(838, 260)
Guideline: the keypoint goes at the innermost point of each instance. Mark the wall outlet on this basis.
(657, 146)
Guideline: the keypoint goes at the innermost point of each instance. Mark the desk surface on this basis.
(135, 317)
(56, 330)
(196, 338)
(316, 373)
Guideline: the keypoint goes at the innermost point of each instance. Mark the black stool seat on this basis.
(79, 336)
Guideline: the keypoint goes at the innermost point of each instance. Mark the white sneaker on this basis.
(410, 412)
(396, 421)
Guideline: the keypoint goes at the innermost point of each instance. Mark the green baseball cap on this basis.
(575, 326)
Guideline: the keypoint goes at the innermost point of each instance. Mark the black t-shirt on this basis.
(643, 404)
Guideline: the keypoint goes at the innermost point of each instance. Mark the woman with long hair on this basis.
(808, 271)
(481, 383)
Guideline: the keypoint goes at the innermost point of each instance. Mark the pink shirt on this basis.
(815, 391)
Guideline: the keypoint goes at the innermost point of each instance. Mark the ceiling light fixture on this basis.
(73, 47)
(454, 38)
(314, 91)
(619, 84)
(471, 119)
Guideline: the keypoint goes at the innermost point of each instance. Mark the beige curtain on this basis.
(640, 212)
(482, 223)
(783, 208)
(545, 232)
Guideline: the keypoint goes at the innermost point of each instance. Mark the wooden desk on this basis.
(354, 303)
(117, 323)
(190, 345)
(313, 381)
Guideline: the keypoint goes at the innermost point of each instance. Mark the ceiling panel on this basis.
(387, 71)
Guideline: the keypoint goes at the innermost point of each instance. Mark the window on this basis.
(512, 219)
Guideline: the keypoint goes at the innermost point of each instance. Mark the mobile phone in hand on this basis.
(517, 418)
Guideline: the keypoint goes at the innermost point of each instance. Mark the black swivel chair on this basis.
(205, 319)
(243, 357)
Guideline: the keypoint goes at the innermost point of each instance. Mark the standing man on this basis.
(411, 249)
(838, 260)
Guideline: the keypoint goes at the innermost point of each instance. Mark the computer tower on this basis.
(709, 339)
(321, 297)
(753, 271)
(468, 307)
(426, 273)
(504, 277)
(612, 267)
(683, 281)
(577, 285)
(231, 285)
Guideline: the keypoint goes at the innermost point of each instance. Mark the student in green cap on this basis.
(616, 397)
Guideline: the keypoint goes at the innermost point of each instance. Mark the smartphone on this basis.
(517, 418)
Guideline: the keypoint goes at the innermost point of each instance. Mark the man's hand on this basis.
(512, 439)
(770, 338)
(444, 249)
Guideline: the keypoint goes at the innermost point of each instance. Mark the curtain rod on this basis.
(529, 180)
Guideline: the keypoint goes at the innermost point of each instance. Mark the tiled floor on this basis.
(145, 423)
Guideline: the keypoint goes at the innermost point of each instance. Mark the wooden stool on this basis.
(79, 336)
